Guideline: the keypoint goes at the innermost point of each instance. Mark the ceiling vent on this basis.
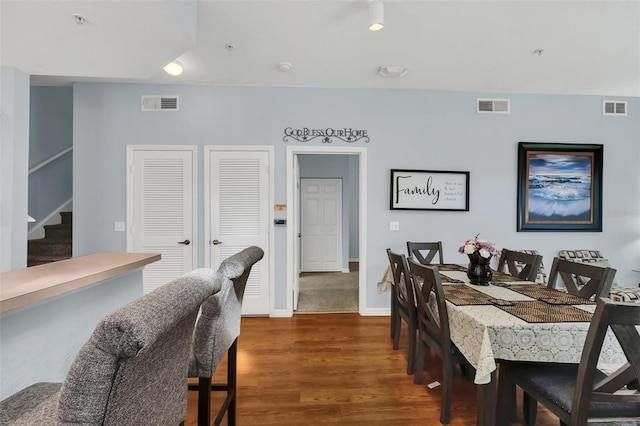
(160, 103)
(495, 106)
(614, 107)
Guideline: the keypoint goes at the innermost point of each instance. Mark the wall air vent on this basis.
(614, 107)
(159, 103)
(494, 106)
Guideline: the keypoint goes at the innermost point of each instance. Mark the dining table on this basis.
(511, 319)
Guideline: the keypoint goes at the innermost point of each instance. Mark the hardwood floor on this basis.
(337, 369)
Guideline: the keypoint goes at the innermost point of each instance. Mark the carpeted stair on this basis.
(56, 244)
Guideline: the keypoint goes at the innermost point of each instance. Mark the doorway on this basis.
(358, 157)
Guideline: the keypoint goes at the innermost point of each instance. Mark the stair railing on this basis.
(40, 222)
(50, 159)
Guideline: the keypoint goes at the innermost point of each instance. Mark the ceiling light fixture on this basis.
(285, 67)
(392, 71)
(173, 68)
(376, 15)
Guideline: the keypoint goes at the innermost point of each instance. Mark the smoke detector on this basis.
(393, 71)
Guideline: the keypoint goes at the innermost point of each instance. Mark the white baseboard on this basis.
(280, 313)
(376, 312)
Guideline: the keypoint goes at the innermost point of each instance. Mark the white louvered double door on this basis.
(161, 210)
(237, 198)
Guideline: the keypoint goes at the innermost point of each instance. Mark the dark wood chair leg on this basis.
(412, 350)
(204, 401)
(231, 382)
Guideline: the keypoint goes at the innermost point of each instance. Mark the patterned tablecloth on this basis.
(486, 333)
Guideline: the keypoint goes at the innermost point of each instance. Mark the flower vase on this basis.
(479, 270)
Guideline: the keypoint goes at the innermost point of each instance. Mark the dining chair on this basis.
(216, 334)
(133, 368)
(581, 279)
(425, 252)
(525, 266)
(403, 298)
(619, 292)
(581, 393)
(433, 330)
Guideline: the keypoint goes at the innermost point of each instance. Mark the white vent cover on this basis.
(160, 103)
(495, 106)
(614, 107)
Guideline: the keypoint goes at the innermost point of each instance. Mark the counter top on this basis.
(28, 286)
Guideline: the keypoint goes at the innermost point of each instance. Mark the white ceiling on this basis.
(589, 47)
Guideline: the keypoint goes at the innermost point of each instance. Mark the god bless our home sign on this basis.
(429, 190)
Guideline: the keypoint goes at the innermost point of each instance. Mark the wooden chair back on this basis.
(433, 318)
(581, 279)
(425, 252)
(624, 319)
(403, 305)
(433, 329)
(401, 282)
(519, 264)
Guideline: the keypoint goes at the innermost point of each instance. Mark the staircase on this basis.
(56, 244)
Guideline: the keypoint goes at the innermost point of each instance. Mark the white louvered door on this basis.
(161, 206)
(237, 196)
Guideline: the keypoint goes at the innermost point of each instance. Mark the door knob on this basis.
(216, 242)
(185, 242)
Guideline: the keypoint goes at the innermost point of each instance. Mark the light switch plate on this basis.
(394, 226)
(119, 226)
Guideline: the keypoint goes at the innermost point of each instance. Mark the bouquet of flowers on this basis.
(482, 248)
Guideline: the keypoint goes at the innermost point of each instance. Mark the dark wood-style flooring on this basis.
(337, 369)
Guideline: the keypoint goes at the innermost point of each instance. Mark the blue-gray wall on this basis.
(50, 132)
(410, 129)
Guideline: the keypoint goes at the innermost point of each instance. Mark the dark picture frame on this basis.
(429, 190)
(559, 187)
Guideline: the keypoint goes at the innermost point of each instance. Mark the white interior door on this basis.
(161, 210)
(321, 225)
(237, 192)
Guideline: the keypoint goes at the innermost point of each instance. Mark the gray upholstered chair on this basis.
(581, 393)
(523, 265)
(425, 252)
(133, 368)
(216, 334)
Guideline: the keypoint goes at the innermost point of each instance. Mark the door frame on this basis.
(207, 209)
(293, 216)
(129, 192)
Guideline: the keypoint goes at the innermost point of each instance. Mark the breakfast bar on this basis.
(49, 311)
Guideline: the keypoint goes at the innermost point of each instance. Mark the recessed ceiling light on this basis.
(173, 68)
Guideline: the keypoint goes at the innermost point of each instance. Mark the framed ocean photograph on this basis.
(559, 187)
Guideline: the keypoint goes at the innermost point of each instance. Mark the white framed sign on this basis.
(429, 190)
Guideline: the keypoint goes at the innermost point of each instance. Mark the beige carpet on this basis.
(328, 292)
